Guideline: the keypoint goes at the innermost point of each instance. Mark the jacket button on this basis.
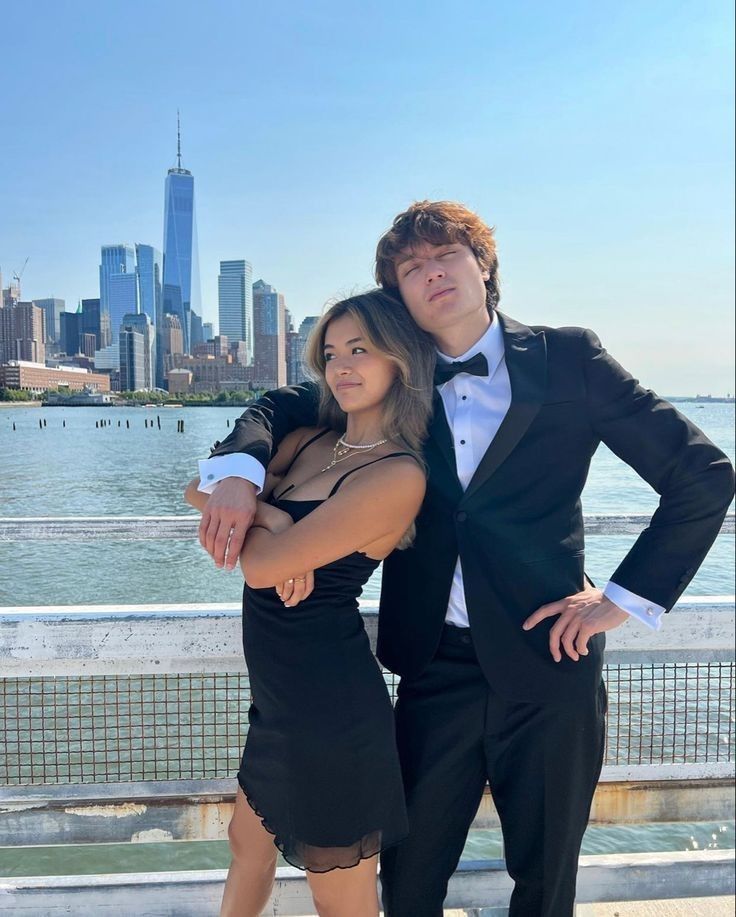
(461, 516)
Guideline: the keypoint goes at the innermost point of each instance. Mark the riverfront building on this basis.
(22, 333)
(35, 377)
(137, 347)
(235, 302)
(269, 321)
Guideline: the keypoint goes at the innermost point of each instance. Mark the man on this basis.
(488, 618)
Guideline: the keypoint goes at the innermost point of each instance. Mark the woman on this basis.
(320, 777)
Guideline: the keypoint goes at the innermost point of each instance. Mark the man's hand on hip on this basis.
(580, 617)
(226, 519)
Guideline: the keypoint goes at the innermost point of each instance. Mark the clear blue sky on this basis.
(597, 137)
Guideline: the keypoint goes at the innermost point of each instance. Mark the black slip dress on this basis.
(320, 765)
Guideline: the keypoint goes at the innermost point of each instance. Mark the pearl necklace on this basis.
(343, 450)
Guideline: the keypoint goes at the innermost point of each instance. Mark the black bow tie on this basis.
(477, 365)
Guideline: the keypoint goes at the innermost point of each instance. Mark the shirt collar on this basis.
(490, 345)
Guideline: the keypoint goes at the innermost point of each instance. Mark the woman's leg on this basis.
(346, 892)
(253, 866)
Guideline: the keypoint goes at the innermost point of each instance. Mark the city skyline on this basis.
(598, 141)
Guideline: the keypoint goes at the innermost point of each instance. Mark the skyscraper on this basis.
(132, 360)
(305, 329)
(293, 354)
(148, 269)
(235, 302)
(137, 358)
(52, 310)
(269, 324)
(118, 285)
(22, 333)
(172, 340)
(91, 321)
(181, 275)
(71, 332)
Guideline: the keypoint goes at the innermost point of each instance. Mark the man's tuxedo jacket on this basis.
(518, 527)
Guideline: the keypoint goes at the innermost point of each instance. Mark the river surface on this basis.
(70, 467)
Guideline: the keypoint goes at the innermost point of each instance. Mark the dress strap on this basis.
(309, 443)
(296, 455)
(365, 465)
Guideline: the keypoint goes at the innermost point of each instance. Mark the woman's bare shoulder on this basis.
(394, 474)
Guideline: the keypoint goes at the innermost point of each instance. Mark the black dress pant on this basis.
(542, 762)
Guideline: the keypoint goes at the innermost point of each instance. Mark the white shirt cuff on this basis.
(235, 465)
(647, 612)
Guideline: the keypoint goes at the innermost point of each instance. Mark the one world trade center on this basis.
(181, 272)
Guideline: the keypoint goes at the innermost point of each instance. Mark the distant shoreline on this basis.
(702, 399)
(675, 399)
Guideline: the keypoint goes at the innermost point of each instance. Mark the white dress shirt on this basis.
(475, 406)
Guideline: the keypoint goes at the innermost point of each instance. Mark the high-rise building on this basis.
(293, 356)
(52, 309)
(88, 344)
(72, 328)
(123, 300)
(132, 360)
(196, 334)
(6, 334)
(135, 376)
(235, 302)
(208, 331)
(305, 329)
(239, 352)
(149, 270)
(11, 294)
(181, 274)
(172, 340)
(91, 321)
(269, 321)
(118, 285)
(22, 333)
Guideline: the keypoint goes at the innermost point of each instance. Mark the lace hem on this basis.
(315, 859)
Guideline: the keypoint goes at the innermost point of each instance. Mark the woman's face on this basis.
(359, 375)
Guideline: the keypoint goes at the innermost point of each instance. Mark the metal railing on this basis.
(127, 724)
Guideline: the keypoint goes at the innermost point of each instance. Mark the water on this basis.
(72, 468)
(86, 859)
(80, 470)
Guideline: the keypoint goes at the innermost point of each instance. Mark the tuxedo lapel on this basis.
(526, 361)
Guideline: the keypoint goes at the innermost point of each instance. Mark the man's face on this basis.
(442, 285)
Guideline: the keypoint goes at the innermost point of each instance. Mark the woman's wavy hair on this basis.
(387, 326)
(439, 223)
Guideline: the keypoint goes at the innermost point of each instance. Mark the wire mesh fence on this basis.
(115, 728)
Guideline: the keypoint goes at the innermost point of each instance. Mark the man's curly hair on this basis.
(438, 222)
